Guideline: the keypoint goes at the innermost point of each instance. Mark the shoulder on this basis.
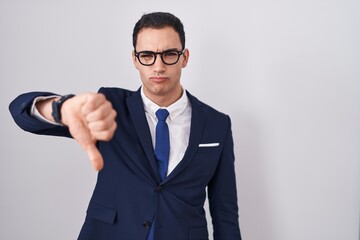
(116, 92)
(118, 95)
(208, 110)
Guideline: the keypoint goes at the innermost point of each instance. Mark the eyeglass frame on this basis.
(161, 56)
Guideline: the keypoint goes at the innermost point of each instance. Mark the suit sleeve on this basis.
(223, 196)
(20, 109)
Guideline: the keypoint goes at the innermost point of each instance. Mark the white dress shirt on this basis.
(35, 112)
(179, 122)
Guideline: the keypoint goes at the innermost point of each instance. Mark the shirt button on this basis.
(146, 224)
(159, 189)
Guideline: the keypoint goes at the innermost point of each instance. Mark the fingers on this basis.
(101, 119)
(92, 102)
(100, 132)
(101, 111)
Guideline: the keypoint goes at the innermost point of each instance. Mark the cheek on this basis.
(143, 73)
(143, 78)
(176, 73)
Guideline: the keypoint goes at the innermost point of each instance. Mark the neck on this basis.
(165, 101)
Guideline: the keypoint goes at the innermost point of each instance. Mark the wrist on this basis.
(57, 105)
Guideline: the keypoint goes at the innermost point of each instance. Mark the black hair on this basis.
(158, 20)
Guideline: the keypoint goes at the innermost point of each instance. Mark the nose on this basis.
(159, 65)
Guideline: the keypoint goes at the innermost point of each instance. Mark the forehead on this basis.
(158, 39)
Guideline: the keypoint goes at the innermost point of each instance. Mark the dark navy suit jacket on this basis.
(129, 194)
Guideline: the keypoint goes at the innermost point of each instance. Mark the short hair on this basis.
(158, 20)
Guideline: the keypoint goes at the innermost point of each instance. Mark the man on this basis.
(153, 169)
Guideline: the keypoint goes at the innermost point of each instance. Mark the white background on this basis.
(287, 72)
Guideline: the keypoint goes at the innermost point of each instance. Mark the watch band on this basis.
(56, 107)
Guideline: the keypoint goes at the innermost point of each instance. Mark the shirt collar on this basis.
(174, 109)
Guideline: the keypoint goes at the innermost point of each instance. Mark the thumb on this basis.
(94, 156)
(81, 133)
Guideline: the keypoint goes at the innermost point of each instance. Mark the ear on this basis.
(186, 56)
(136, 63)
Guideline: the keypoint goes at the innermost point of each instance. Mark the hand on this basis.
(90, 117)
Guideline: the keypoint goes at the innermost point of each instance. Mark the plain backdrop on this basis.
(287, 73)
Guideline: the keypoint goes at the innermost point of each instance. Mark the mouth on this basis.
(158, 79)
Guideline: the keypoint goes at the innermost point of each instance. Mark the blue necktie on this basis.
(162, 150)
(162, 142)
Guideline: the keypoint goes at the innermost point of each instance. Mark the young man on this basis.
(154, 165)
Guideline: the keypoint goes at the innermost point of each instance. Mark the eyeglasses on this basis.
(168, 57)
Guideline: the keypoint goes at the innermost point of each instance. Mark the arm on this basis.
(87, 118)
(223, 196)
(20, 109)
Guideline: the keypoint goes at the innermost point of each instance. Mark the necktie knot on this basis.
(162, 114)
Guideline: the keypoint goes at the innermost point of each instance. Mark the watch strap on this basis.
(56, 107)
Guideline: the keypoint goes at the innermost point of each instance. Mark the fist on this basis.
(90, 118)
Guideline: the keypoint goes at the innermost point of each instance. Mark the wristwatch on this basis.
(56, 107)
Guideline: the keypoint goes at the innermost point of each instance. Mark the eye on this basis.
(146, 55)
(170, 54)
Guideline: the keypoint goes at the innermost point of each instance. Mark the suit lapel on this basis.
(198, 116)
(137, 113)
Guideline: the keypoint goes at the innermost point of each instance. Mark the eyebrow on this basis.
(167, 50)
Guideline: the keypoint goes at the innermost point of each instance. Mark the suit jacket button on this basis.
(159, 189)
(146, 224)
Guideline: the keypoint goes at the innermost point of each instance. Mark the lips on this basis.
(158, 79)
